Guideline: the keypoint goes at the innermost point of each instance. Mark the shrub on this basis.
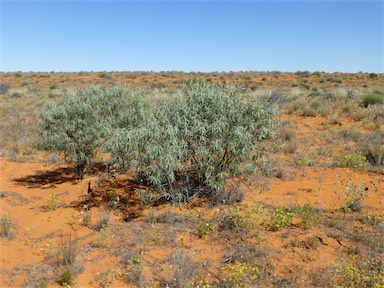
(373, 148)
(240, 274)
(73, 127)
(308, 215)
(204, 227)
(281, 218)
(102, 222)
(82, 122)
(134, 263)
(52, 202)
(366, 272)
(105, 75)
(68, 249)
(16, 95)
(183, 267)
(67, 259)
(103, 237)
(355, 193)
(373, 98)
(372, 76)
(191, 143)
(243, 217)
(67, 277)
(355, 160)
(218, 128)
(4, 88)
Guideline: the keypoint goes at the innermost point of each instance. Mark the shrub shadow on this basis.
(51, 178)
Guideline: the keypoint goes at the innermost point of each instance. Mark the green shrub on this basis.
(105, 75)
(373, 98)
(52, 202)
(67, 277)
(191, 143)
(355, 160)
(362, 273)
(243, 217)
(240, 274)
(308, 215)
(281, 218)
(73, 127)
(81, 123)
(218, 128)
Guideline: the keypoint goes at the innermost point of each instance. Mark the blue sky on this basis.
(344, 36)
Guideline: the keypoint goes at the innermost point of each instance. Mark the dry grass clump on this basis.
(6, 226)
(68, 259)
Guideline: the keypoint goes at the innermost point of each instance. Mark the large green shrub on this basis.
(194, 141)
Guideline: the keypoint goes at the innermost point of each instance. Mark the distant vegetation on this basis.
(373, 98)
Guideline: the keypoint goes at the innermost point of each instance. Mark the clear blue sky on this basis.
(345, 36)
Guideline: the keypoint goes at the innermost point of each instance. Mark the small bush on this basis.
(16, 95)
(52, 202)
(355, 160)
(355, 193)
(134, 263)
(227, 197)
(85, 218)
(105, 75)
(372, 99)
(68, 249)
(240, 274)
(204, 228)
(183, 267)
(103, 237)
(242, 217)
(376, 221)
(363, 273)
(6, 225)
(304, 161)
(67, 259)
(281, 218)
(373, 148)
(102, 222)
(4, 88)
(308, 215)
(373, 76)
(67, 277)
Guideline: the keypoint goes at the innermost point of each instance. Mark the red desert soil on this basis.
(26, 187)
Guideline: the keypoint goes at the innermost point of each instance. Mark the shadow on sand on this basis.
(51, 178)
